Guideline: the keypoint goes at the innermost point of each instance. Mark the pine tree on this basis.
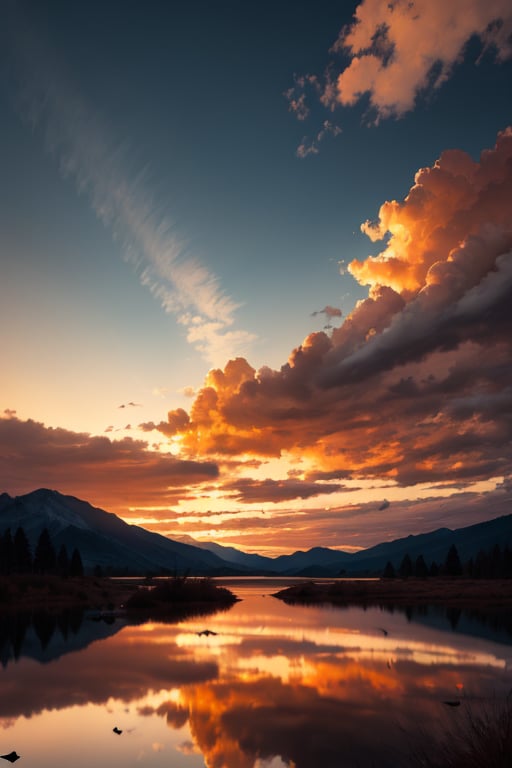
(420, 568)
(481, 565)
(507, 562)
(76, 567)
(6, 553)
(496, 562)
(45, 559)
(22, 553)
(389, 571)
(405, 569)
(452, 564)
(63, 561)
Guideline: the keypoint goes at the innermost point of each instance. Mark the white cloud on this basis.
(121, 200)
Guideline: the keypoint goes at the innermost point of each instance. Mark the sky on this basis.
(256, 264)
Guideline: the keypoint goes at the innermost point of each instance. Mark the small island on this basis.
(178, 596)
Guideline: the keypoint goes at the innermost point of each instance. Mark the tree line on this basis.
(16, 556)
(495, 563)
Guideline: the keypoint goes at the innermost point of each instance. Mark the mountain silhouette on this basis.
(106, 541)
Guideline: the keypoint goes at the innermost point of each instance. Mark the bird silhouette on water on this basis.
(11, 757)
(117, 730)
(206, 632)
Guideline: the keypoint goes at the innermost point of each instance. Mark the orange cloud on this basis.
(111, 473)
(247, 489)
(320, 714)
(449, 210)
(398, 49)
(415, 383)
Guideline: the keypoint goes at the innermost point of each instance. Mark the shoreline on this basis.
(107, 595)
(26, 594)
(483, 594)
(51, 594)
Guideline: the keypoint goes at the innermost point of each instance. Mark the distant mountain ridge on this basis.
(106, 541)
(434, 546)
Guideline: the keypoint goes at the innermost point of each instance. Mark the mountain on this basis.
(323, 562)
(102, 538)
(255, 563)
(434, 546)
(107, 541)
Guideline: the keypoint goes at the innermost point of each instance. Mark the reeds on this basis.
(480, 738)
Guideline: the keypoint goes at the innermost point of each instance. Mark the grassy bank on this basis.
(53, 594)
(495, 594)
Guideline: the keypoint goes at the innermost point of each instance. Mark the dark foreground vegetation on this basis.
(52, 581)
(460, 593)
(478, 738)
(16, 557)
(51, 593)
(176, 596)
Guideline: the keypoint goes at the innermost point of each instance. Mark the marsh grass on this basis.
(458, 593)
(480, 738)
(176, 594)
(31, 592)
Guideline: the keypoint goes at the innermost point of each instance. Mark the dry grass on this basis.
(53, 594)
(178, 594)
(492, 594)
(481, 738)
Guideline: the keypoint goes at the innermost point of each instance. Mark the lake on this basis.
(273, 685)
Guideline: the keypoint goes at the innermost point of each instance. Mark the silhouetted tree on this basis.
(44, 626)
(496, 562)
(434, 569)
(481, 567)
(6, 552)
(45, 559)
(507, 562)
(76, 567)
(420, 567)
(22, 553)
(452, 564)
(63, 565)
(389, 571)
(405, 569)
(453, 616)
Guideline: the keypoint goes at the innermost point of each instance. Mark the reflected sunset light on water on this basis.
(275, 685)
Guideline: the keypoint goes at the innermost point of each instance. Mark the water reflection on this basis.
(277, 685)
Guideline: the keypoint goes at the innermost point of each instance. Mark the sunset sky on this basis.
(257, 264)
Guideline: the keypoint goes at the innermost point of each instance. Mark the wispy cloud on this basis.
(312, 146)
(296, 95)
(100, 167)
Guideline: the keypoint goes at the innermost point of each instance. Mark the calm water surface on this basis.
(277, 685)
